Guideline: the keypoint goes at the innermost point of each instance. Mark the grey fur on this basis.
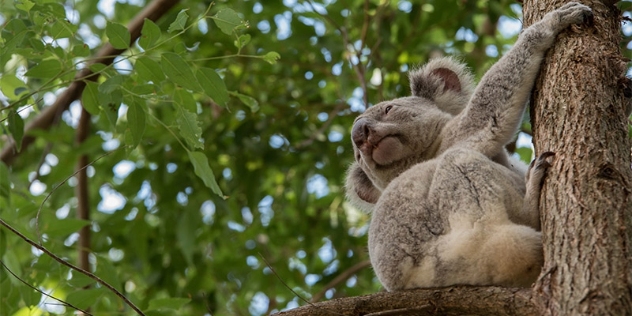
(449, 205)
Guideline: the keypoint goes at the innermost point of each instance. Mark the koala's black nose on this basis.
(360, 131)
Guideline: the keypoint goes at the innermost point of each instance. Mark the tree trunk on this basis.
(579, 112)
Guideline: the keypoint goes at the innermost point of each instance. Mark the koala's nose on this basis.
(360, 131)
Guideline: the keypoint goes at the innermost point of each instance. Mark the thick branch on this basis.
(460, 300)
(105, 56)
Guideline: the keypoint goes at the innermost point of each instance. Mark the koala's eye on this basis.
(388, 109)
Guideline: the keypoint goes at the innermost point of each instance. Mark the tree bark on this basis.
(458, 300)
(579, 112)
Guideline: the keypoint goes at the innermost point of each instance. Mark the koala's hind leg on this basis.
(534, 179)
(507, 255)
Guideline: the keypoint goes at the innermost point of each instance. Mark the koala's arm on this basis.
(492, 116)
(360, 189)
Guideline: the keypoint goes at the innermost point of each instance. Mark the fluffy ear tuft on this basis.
(360, 189)
(445, 81)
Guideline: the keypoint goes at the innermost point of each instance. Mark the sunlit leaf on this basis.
(12, 87)
(180, 22)
(90, 98)
(46, 69)
(24, 5)
(149, 35)
(118, 34)
(179, 71)
(271, 57)
(213, 85)
(227, 20)
(203, 171)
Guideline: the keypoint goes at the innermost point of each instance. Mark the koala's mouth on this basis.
(388, 150)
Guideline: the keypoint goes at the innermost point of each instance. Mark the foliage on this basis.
(218, 145)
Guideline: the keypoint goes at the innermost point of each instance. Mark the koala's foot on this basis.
(568, 14)
(534, 179)
(538, 167)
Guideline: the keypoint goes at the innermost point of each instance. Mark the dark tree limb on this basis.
(458, 300)
(106, 55)
(81, 192)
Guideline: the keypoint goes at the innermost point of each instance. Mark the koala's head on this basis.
(394, 135)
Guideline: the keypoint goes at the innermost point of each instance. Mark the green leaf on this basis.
(81, 50)
(242, 40)
(24, 5)
(79, 280)
(118, 34)
(213, 85)
(111, 84)
(16, 127)
(149, 35)
(12, 87)
(189, 128)
(63, 227)
(179, 71)
(149, 69)
(108, 273)
(203, 171)
(30, 297)
(185, 100)
(85, 298)
(185, 234)
(136, 120)
(168, 303)
(62, 29)
(248, 101)
(5, 183)
(90, 98)
(271, 57)
(46, 69)
(227, 20)
(180, 22)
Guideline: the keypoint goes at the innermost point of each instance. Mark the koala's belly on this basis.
(457, 191)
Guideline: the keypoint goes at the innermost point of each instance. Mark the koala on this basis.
(449, 205)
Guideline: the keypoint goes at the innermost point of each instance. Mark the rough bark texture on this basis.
(461, 300)
(578, 112)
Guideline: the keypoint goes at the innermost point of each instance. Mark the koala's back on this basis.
(446, 221)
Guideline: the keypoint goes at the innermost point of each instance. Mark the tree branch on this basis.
(105, 56)
(458, 300)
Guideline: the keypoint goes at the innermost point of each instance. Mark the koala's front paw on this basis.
(573, 13)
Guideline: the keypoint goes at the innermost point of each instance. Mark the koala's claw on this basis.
(541, 162)
(574, 13)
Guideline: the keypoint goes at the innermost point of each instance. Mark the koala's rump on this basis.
(458, 195)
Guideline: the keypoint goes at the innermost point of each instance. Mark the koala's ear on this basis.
(360, 189)
(445, 81)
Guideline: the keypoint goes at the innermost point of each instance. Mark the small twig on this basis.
(70, 265)
(42, 292)
(340, 278)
